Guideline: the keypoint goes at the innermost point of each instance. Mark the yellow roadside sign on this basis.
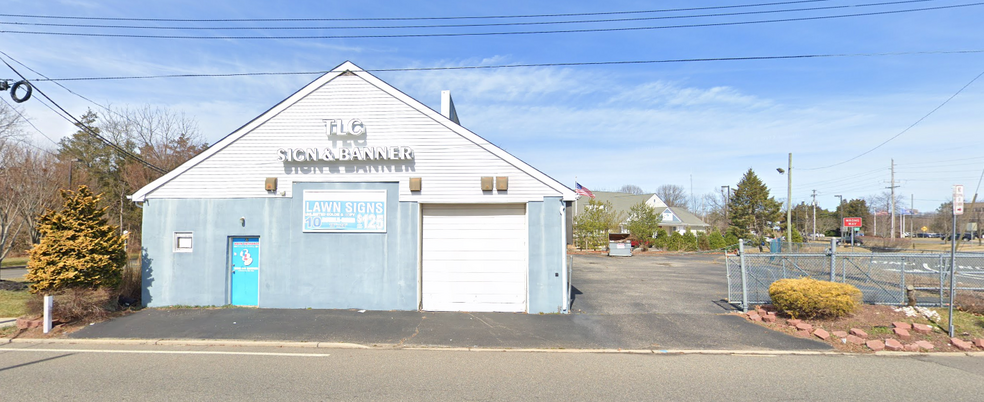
(924, 228)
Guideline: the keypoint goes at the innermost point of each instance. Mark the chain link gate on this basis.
(882, 278)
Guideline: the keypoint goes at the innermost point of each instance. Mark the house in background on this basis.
(673, 218)
(680, 220)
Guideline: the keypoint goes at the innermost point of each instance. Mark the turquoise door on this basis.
(245, 271)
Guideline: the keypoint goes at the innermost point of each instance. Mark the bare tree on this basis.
(673, 195)
(37, 179)
(157, 135)
(714, 211)
(10, 149)
(631, 189)
(883, 202)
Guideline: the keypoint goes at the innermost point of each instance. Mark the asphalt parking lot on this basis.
(644, 284)
(661, 302)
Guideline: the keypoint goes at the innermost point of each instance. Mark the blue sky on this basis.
(642, 124)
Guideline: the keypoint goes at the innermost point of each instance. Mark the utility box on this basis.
(619, 245)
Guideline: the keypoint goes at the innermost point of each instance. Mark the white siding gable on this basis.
(449, 159)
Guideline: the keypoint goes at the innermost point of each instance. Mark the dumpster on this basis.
(619, 245)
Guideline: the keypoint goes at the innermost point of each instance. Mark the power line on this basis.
(473, 25)
(75, 93)
(410, 18)
(462, 34)
(498, 66)
(906, 129)
(85, 127)
(29, 122)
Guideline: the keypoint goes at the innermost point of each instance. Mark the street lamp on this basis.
(789, 199)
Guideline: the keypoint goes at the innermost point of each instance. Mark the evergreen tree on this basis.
(703, 242)
(688, 241)
(796, 237)
(857, 208)
(644, 223)
(78, 248)
(751, 207)
(716, 240)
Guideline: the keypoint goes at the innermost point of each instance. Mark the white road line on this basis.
(167, 352)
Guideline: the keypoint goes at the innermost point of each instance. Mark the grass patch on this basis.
(13, 303)
(14, 261)
(964, 324)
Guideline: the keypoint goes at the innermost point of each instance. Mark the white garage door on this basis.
(474, 257)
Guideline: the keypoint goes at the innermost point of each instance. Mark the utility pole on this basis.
(814, 234)
(789, 203)
(893, 186)
(912, 215)
(840, 215)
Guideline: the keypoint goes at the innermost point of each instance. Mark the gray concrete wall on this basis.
(547, 253)
(376, 271)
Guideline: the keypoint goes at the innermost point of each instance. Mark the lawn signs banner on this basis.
(345, 211)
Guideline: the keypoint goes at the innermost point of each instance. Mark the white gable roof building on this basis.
(351, 194)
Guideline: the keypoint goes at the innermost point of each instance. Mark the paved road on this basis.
(627, 303)
(66, 372)
(13, 273)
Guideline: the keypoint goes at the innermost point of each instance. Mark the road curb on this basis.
(639, 351)
(343, 345)
(185, 342)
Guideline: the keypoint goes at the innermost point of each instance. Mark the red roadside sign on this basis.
(852, 222)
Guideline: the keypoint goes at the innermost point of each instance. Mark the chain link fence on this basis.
(883, 278)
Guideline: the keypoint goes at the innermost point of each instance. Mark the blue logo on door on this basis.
(245, 259)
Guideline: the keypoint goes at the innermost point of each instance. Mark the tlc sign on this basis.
(852, 222)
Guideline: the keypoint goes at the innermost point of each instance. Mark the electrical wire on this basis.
(529, 65)
(411, 18)
(86, 128)
(938, 107)
(77, 94)
(29, 122)
(464, 34)
(498, 24)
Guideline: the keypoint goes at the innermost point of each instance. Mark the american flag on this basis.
(578, 188)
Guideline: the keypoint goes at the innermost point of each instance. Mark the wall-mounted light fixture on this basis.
(270, 184)
(487, 183)
(502, 183)
(242, 221)
(414, 184)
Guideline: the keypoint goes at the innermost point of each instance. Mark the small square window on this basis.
(182, 242)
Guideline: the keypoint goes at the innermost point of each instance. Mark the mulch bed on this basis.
(876, 321)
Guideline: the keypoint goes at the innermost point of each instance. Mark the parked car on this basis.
(846, 240)
(965, 237)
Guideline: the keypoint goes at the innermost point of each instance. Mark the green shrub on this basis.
(688, 241)
(810, 298)
(796, 237)
(78, 248)
(675, 242)
(716, 240)
(702, 241)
